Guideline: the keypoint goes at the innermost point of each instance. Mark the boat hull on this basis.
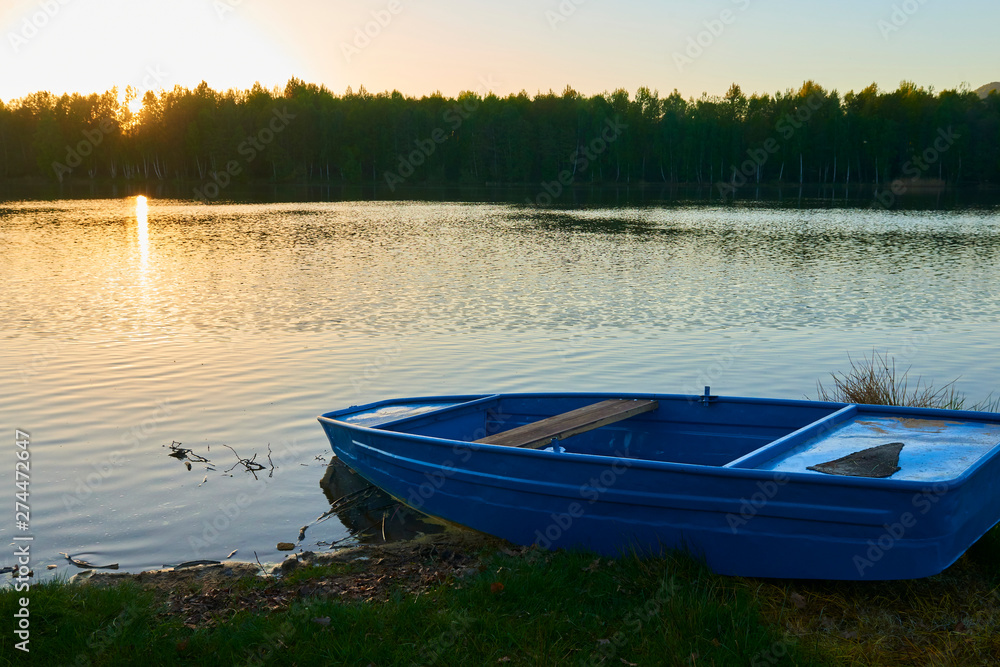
(740, 521)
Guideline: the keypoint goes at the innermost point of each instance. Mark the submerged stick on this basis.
(186, 455)
(250, 465)
(87, 565)
(257, 558)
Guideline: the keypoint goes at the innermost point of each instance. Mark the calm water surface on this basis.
(125, 331)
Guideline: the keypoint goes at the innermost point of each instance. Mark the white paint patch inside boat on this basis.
(933, 450)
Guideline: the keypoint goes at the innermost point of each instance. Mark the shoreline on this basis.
(219, 574)
(932, 185)
(465, 598)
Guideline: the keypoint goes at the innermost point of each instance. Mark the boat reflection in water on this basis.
(370, 515)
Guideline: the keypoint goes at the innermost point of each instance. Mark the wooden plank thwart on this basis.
(541, 433)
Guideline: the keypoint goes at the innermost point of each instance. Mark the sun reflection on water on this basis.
(142, 218)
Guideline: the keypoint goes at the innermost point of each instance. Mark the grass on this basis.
(320, 572)
(875, 381)
(526, 608)
(949, 619)
(71, 622)
(531, 607)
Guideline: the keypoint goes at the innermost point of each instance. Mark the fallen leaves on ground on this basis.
(413, 570)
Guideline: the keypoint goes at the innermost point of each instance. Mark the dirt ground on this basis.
(204, 595)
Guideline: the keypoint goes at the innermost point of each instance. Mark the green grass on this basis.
(82, 625)
(539, 608)
(319, 572)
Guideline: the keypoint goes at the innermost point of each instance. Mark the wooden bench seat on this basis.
(544, 432)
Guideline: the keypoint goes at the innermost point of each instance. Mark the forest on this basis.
(306, 133)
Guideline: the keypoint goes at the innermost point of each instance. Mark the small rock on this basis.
(81, 576)
(286, 546)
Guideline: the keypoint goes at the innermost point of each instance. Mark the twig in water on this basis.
(186, 455)
(356, 536)
(87, 565)
(250, 465)
(257, 558)
(345, 501)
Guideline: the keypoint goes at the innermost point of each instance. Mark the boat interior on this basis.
(727, 432)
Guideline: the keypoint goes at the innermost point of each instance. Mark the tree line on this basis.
(306, 133)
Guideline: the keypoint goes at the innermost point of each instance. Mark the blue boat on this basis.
(754, 487)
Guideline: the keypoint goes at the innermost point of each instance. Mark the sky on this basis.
(504, 46)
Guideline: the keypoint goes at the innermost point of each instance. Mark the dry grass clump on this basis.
(948, 619)
(875, 381)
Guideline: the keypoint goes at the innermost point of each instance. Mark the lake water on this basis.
(236, 324)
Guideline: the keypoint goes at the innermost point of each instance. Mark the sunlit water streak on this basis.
(127, 327)
(142, 232)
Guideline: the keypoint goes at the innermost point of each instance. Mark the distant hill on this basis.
(984, 91)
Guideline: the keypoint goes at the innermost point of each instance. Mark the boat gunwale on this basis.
(462, 399)
(691, 502)
(382, 430)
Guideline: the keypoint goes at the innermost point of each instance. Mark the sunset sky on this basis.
(419, 46)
